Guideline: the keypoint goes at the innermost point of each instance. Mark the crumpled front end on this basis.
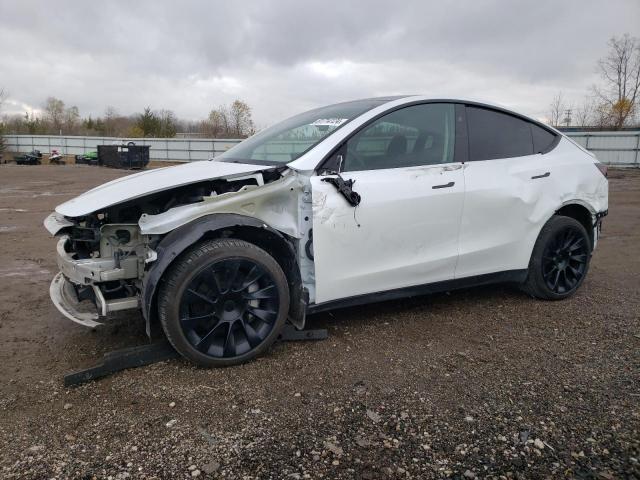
(105, 255)
(101, 266)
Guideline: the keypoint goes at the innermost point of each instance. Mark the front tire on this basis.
(223, 302)
(560, 259)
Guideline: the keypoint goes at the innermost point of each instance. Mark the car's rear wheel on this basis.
(560, 259)
(224, 302)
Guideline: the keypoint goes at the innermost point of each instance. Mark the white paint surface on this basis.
(148, 182)
(404, 231)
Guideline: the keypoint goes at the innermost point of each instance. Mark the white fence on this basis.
(612, 148)
(163, 149)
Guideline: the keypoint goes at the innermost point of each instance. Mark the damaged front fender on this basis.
(275, 204)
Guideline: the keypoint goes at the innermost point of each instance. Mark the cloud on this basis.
(285, 56)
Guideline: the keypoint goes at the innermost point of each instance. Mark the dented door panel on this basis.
(507, 202)
(403, 233)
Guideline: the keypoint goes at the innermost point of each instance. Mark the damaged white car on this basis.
(343, 205)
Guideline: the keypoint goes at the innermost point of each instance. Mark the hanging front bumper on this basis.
(86, 276)
(64, 297)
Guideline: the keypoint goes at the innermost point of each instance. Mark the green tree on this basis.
(148, 123)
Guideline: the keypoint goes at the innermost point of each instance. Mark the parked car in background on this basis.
(343, 205)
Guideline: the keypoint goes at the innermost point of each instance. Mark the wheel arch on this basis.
(580, 211)
(222, 225)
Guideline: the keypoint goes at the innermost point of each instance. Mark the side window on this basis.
(497, 135)
(542, 139)
(416, 135)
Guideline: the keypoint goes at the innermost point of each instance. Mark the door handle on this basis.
(546, 174)
(446, 185)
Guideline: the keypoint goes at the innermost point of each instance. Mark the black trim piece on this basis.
(552, 145)
(509, 276)
(461, 148)
(446, 185)
(345, 188)
(544, 175)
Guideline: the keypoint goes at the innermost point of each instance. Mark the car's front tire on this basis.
(560, 259)
(223, 302)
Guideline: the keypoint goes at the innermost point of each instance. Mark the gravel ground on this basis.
(481, 383)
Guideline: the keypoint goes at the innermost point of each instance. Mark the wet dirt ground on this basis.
(480, 383)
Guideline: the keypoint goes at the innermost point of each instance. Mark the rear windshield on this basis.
(289, 139)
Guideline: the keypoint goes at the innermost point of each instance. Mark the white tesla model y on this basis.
(343, 205)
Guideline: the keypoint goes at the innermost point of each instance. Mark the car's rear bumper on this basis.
(597, 226)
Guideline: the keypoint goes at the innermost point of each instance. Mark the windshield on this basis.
(289, 139)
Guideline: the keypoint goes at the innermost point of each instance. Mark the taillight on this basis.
(603, 168)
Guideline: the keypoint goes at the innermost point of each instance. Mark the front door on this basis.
(405, 230)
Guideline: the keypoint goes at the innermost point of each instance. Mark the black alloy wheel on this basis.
(224, 302)
(229, 308)
(564, 262)
(560, 259)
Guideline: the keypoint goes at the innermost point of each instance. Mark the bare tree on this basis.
(167, 124)
(224, 122)
(71, 117)
(110, 115)
(241, 121)
(620, 72)
(232, 121)
(219, 122)
(54, 111)
(585, 112)
(556, 110)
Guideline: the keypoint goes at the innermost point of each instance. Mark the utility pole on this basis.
(567, 117)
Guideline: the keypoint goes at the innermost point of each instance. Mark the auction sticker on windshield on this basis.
(329, 122)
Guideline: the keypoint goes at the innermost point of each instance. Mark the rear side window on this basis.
(497, 135)
(542, 139)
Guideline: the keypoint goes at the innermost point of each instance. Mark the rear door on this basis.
(405, 230)
(506, 178)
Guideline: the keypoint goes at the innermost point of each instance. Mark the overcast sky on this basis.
(286, 56)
